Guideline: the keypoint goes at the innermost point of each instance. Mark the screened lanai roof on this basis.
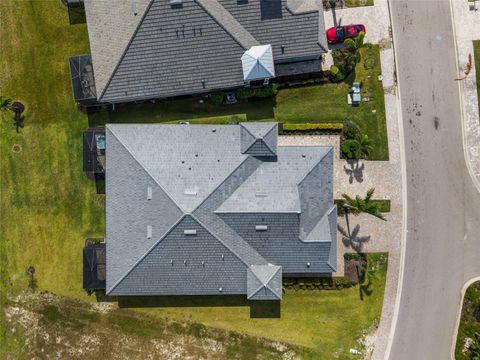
(83, 82)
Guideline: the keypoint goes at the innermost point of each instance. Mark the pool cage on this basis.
(83, 81)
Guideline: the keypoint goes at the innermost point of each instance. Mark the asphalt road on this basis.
(443, 206)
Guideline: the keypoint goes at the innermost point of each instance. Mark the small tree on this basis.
(366, 205)
(353, 46)
(359, 148)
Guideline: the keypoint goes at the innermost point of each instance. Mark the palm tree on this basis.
(359, 148)
(5, 103)
(359, 205)
(353, 46)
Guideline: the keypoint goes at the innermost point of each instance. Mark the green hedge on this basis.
(261, 92)
(335, 283)
(311, 128)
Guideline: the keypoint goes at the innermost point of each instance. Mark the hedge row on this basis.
(312, 128)
(317, 283)
(261, 92)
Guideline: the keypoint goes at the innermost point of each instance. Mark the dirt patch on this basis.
(55, 327)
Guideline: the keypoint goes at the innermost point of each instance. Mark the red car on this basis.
(340, 33)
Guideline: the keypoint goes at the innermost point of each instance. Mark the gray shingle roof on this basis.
(166, 51)
(185, 207)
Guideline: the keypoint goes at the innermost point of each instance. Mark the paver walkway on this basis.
(371, 234)
(467, 29)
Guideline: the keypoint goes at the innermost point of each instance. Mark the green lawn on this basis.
(328, 321)
(325, 103)
(476, 55)
(469, 323)
(48, 206)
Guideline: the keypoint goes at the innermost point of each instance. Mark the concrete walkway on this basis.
(370, 234)
(467, 29)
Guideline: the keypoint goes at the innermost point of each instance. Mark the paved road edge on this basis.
(404, 198)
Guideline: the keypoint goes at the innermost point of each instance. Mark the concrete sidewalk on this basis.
(372, 234)
(467, 28)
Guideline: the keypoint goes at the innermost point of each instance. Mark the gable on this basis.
(183, 264)
(176, 51)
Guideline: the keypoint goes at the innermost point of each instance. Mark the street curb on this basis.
(475, 180)
(403, 166)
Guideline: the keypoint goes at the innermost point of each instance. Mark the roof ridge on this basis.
(147, 252)
(220, 184)
(227, 246)
(267, 285)
(259, 140)
(107, 84)
(274, 127)
(317, 163)
(227, 21)
(325, 216)
(146, 170)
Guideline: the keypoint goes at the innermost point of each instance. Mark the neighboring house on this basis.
(215, 210)
(149, 49)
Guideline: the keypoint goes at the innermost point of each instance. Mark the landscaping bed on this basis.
(468, 338)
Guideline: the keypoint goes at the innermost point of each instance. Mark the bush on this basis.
(351, 130)
(312, 128)
(262, 92)
(336, 75)
(217, 97)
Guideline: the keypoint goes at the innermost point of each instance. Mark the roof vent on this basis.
(171, 261)
(260, 194)
(149, 231)
(190, 232)
(220, 289)
(185, 262)
(214, 130)
(261, 227)
(203, 84)
(176, 4)
(223, 257)
(149, 193)
(203, 263)
(308, 264)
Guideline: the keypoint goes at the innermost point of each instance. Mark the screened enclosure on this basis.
(94, 266)
(83, 82)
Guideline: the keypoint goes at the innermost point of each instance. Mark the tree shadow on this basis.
(258, 309)
(365, 290)
(355, 172)
(352, 239)
(18, 121)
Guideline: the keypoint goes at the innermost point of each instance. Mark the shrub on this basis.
(217, 97)
(336, 75)
(262, 92)
(351, 130)
(312, 128)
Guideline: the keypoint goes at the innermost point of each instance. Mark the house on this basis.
(150, 49)
(215, 210)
